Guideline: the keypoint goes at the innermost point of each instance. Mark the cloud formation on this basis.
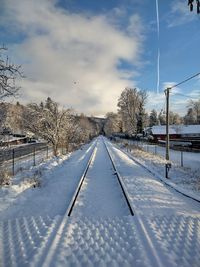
(180, 14)
(72, 57)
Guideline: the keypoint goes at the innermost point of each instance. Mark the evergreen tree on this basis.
(153, 118)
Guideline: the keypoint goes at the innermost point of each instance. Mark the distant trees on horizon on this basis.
(132, 117)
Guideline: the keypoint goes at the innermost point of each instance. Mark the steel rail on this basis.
(125, 193)
(75, 195)
(49, 245)
(157, 176)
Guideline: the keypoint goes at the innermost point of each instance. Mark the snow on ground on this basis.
(170, 220)
(27, 161)
(105, 242)
(184, 177)
(35, 230)
(190, 160)
(58, 177)
(100, 195)
(148, 194)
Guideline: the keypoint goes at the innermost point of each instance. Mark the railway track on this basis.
(83, 238)
(159, 177)
(50, 248)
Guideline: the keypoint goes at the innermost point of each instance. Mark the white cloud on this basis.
(180, 13)
(178, 100)
(72, 57)
(155, 101)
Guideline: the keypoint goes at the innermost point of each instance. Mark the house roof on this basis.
(176, 129)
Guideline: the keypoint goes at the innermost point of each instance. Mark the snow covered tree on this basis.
(8, 74)
(190, 117)
(3, 115)
(191, 5)
(48, 122)
(87, 128)
(112, 123)
(162, 118)
(174, 118)
(14, 119)
(195, 105)
(153, 118)
(193, 113)
(72, 133)
(141, 115)
(131, 108)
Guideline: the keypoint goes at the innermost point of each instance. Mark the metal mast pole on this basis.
(167, 123)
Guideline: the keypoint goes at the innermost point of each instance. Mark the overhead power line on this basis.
(167, 90)
(186, 80)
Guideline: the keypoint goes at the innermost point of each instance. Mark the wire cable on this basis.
(186, 80)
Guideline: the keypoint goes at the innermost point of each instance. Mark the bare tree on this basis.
(8, 74)
(174, 118)
(13, 118)
(195, 105)
(47, 122)
(193, 113)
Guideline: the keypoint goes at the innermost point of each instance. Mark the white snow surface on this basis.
(35, 230)
(190, 159)
(59, 177)
(101, 195)
(186, 178)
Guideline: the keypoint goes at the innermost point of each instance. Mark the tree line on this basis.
(61, 128)
(132, 116)
(46, 120)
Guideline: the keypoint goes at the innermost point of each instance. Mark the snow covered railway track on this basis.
(119, 185)
(75, 195)
(125, 193)
(170, 184)
(66, 224)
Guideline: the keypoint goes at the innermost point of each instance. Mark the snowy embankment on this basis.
(185, 179)
(56, 177)
(190, 160)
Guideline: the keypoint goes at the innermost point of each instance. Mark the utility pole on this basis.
(167, 123)
(168, 165)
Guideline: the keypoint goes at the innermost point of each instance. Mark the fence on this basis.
(181, 158)
(14, 159)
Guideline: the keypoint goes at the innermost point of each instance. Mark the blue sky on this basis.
(83, 53)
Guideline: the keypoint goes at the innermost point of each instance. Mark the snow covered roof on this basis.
(176, 129)
(10, 138)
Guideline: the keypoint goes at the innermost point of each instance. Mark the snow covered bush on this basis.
(35, 180)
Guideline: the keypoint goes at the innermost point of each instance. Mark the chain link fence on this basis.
(182, 158)
(14, 159)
